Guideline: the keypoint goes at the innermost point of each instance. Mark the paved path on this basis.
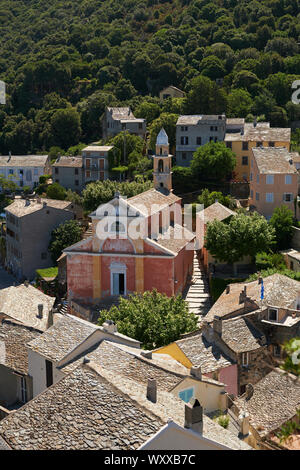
(6, 280)
(197, 293)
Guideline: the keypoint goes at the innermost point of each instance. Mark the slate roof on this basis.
(20, 209)
(151, 197)
(23, 161)
(279, 291)
(274, 160)
(68, 162)
(240, 335)
(201, 352)
(13, 341)
(216, 211)
(261, 133)
(275, 400)
(3, 444)
(61, 338)
(195, 119)
(98, 148)
(93, 408)
(121, 113)
(175, 238)
(21, 303)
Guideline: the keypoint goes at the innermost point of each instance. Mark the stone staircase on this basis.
(197, 292)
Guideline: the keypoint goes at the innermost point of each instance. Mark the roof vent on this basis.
(146, 354)
(110, 327)
(196, 372)
(40, 311)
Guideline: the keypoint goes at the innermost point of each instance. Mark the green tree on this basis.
(56, 191)
(292, 363)
(243, 235)
(205, 97)
(213, 161)
(64, 235)
(65, 127)
(168, 122)
(208, 198)
(152, 318)
(282, 222)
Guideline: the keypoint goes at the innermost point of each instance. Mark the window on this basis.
(184, 128)
(76, 182)
(49, 373)
(258, 144)
(244, 160)
(271, 144)
(76, 171)
(229, 145)
(211, 139)
(187, 394)
(87, 174)
(123, 126)
(245, 146)
(273, 314)
(56, 171)
(251, 176)
(24, 398)
(184, 140)
(211, 128)
(140, 125)
(117, 227)
(251, 192)
(269, 197)
(257, 178)
(160, 166)
(276, 350)
(183, 156)
(288, 179)
(216, 139)
(199, 140)
(11, 172)
(291, 265)
(251, 163)
(245, 359)
(288, 197)
(270, 179)
(257, 196)
(36, 171)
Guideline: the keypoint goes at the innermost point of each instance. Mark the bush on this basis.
(63, 236)
(56, 191)
(269, 260)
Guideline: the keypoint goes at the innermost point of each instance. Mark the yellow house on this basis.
(254, 135)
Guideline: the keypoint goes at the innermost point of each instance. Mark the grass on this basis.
(217, 286)
(47, 272)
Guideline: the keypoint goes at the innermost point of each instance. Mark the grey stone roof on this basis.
(201, 352)
(21, 303)
(195, 119)
(20, 209)
(23, 161)
(68, 162)
(128, 363)
(279, 291)
(92, 408)
(261, 133)
(62, 338)
(175, 238)
(121, 113)
(275, 400)
(3, 444)
(240, 335)
(274, 160)
(13, 341)
(148, 198)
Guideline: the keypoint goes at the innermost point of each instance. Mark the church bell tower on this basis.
(162, 164)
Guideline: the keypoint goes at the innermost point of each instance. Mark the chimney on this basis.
(40, 311)
(245, 290)
(193, 416)
(152, 390)
(196, 372)
(242, 297)
(44, 204)
(244, 424)
(9, 157)
(227, 289)
(27, 203)
(255, 122)
(249, 391)
(260, 280)
(26, 283)
(146, 354)
(110, 327)
(217, 325)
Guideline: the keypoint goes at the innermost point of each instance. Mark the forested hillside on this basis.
(64, 61)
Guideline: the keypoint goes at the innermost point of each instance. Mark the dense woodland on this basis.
(64, 61)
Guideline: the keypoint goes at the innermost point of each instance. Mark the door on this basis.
(118, 283)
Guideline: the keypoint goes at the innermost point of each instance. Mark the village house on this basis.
(27, 247)
(24, 170)
(194, 131)
(138, 244)
(68, 172)
(251, 135)
(171, 92)
(15, 382)
(277, 315)
(274, 180)
(270, 404)
(28, 306)
(116, 120)
(292, 259)
(95, 163)
(85, 413)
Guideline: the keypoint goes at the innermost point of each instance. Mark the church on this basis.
(137, 244)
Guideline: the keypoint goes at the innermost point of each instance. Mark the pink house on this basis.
(274, 179)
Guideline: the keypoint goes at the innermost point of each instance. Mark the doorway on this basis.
(118, 284)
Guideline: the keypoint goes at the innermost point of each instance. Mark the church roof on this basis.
(162, 138)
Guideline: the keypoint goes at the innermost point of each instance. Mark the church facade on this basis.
(137, 244)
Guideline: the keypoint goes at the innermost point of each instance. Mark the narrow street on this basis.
(197, 293)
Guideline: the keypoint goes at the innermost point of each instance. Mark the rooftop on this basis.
(20, 207)
(195, 119)
(93, 408)
(13, 341)
(202, 352)
(275, 400)
(262, 132)
(21, 304)
(162, 138)
(175, 238)
(279, 291)
(240, 335)
(274, 160)
(98, 148)
(216, 211)
(146, 200)
(23, 160)
(121, 113)
(69, 162)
